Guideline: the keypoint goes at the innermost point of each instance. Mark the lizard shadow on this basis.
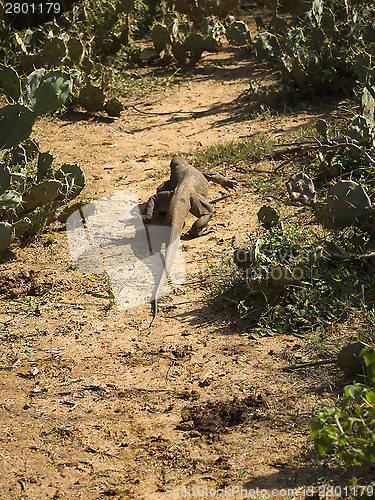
(207, 315)
(100, 241)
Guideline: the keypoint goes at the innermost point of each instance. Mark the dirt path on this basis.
(104, 406)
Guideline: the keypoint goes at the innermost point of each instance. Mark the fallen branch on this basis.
(306, 147)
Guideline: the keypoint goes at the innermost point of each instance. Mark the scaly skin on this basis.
(185, 191)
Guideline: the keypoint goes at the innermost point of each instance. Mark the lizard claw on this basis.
(232, 184)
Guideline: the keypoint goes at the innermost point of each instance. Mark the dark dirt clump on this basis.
(214, 417)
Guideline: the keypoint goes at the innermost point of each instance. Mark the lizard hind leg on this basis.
(202, 209)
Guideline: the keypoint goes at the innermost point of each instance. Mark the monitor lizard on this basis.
(184, 192)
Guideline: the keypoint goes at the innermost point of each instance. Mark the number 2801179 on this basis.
(32, 8)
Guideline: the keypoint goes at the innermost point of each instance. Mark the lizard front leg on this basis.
(202, 209)
(157, 203)
(223, 181)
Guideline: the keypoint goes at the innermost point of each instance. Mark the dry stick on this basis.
(310, 363)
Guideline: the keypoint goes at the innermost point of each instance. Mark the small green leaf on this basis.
(322, 444)
(354, 391)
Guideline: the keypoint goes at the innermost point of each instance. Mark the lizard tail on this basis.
(154, 310)
(178, 210)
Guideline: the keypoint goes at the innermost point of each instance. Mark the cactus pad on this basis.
(41, 194)
(301, 188)
(18, 181)
(31, 85)
(91, 98)
(10, 201)
(75, 50)
(346, 204)
(21, 226)
(212, 44)
(266, 46)
(76, 76)
(54, 50)
(268, 217)
(53, 92)
(362, 65)
(44, 165)
(322, 129)
(6, 235)
(179, 52)
(4, 178)
(73, 177)
(17, 157)
(113, 107)
(359, 128)
(11, 83)
(161, 37)
(238, 34)
(368, 105)
(16, 122)
(31, 61)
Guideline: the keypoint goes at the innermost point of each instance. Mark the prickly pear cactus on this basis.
(347, 204)
(243, 258)
(328, 23)
(18, 181)
(91, 98)
(21, 226)
(161, 37)
(5, 177)
(238, 34)
(73, 177)
(44, 165)
(361, 66)
(179, 52)
(54, 51)
(11, 83)
(76, 76)
(266, 46)
(278, 26)
(301, 188)
(31, 148)
(30, 62)
(211, 44)
(194, 44)
(87, 65)
(41, 194)
(359, 128)
(16, 122)
(268, 217)
(75, 50)
(293, 42)
(368, 105)
(53, 92)
(213, 28)
(16, 157)
(113, 107)
(10, 201)
(370, 84)
(322, 129)
(31, 85)
(6, 235)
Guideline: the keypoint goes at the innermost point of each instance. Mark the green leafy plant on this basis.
(348, 429)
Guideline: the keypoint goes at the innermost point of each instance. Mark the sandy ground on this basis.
(103, 406)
